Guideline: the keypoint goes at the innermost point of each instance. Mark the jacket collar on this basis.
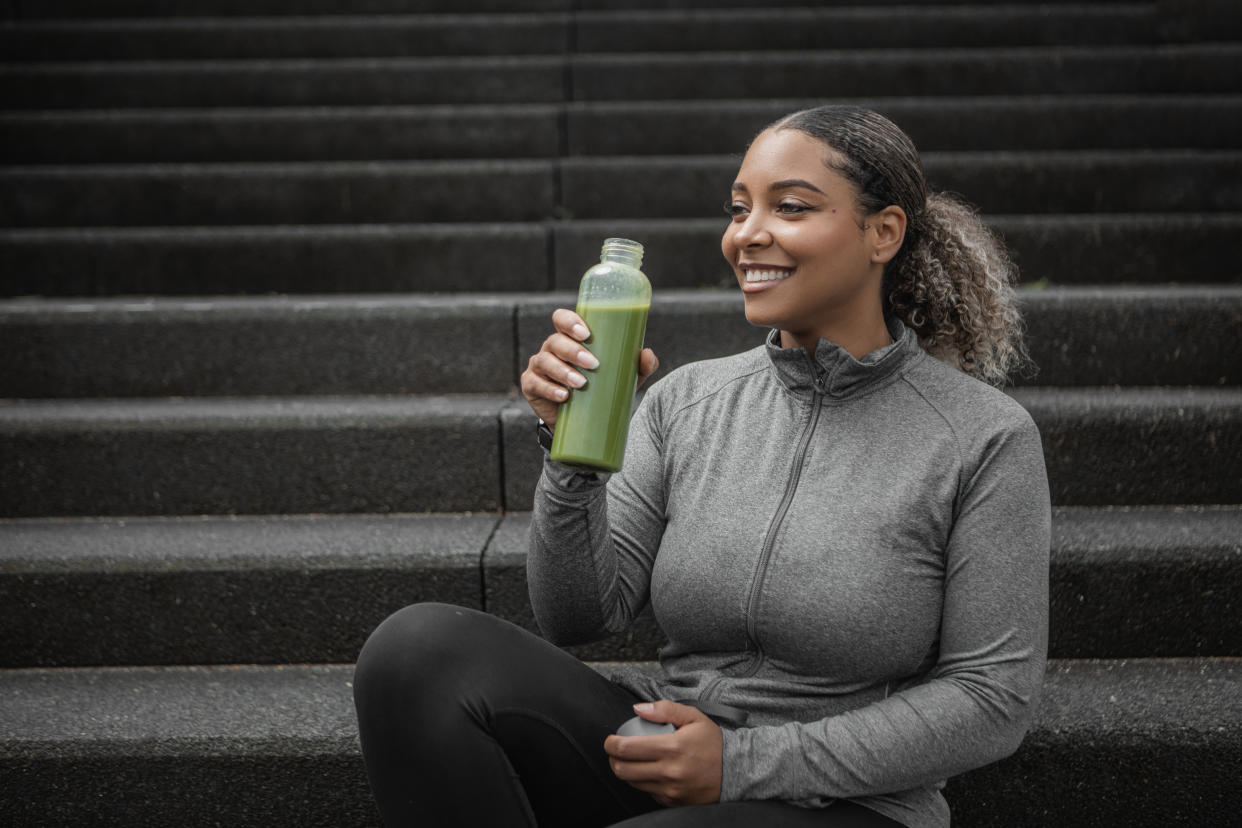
(837, 374)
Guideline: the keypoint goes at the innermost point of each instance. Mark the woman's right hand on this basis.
(553, 371)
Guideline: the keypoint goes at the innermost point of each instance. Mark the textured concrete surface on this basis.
(281, 134)
(224, 590)
(250, 456)
(1146, 742)
(338, 192)
(258, 345)
(1132, 446)
(310, 82)
(256, 260)
(1146, 582)
(1073, 70)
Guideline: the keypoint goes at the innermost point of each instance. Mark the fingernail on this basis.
(561, 394)
(587, 360)
(581, 332)
(576, 380)
(644, 707)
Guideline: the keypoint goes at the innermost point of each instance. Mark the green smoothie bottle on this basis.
(613, 300)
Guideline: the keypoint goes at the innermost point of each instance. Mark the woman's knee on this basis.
(414, 646)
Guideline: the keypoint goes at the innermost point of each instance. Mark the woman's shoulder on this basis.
(970, 406)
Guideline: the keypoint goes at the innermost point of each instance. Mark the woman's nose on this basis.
(752, 232)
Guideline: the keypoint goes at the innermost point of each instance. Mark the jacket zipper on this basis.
(765, 554)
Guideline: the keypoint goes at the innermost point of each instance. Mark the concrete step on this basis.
(512, 256)
(587, 188)
(1125, 582)
(392, 192)
(106, 9)
(401, 35)
(255, 456)
(1196, 69)
(955, 123)
(284, 133)
(310, 82)
(256, 260)
(1130, 446)
(200, 746)
(1033, 123)
(324, 345)
(298, 36)
(201, 590)
(1029, 71)
(90, 9)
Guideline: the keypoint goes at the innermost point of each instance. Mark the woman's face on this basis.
(803, 261)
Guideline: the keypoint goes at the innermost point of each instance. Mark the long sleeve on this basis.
(976, 703)
(594, 539)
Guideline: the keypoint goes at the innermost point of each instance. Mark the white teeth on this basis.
(767, 275)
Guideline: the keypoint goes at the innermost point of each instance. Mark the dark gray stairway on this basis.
(270, 272)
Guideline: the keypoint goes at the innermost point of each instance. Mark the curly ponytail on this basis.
(953, 281)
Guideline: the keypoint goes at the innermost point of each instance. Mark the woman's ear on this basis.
(890, 230)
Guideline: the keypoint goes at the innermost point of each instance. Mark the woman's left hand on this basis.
(679, 768)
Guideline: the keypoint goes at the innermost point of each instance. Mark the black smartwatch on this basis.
(544, 435)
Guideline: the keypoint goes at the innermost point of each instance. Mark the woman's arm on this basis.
(977, 702)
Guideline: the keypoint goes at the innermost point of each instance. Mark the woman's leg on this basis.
(469, 720)
(841, 814)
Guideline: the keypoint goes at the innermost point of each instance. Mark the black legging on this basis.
(469, 720)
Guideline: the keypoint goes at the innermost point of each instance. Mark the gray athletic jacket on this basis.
(855, 552)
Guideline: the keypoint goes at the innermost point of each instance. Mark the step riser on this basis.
(373, 194)
(276, 135)
(1206, 69)
(395, 456)
(309, 590)
(376, 259)
(396, 346)
(757, 75)
(526, 257)
(533, 131)
(71, 9)
(400, 36)
(286, 83)
(592, 189)
(254, 457)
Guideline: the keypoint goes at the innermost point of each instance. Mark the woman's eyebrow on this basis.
(796, 182)
(786, 184)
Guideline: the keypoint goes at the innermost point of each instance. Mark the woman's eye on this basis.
(735, 208)
(791, 208)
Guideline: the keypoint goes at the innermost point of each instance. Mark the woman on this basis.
(842, 533)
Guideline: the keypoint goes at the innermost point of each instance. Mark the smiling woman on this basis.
(843, 540)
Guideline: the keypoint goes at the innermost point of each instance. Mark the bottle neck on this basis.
(622, 251)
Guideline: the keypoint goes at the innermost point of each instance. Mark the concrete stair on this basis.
(270, 271)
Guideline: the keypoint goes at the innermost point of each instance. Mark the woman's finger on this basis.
(570, 323)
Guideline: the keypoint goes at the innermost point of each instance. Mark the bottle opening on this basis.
(622, 250)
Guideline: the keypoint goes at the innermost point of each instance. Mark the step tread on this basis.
(308, 709)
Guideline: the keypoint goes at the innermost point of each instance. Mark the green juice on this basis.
(592, 424)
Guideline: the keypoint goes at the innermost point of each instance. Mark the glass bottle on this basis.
(613, 300)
